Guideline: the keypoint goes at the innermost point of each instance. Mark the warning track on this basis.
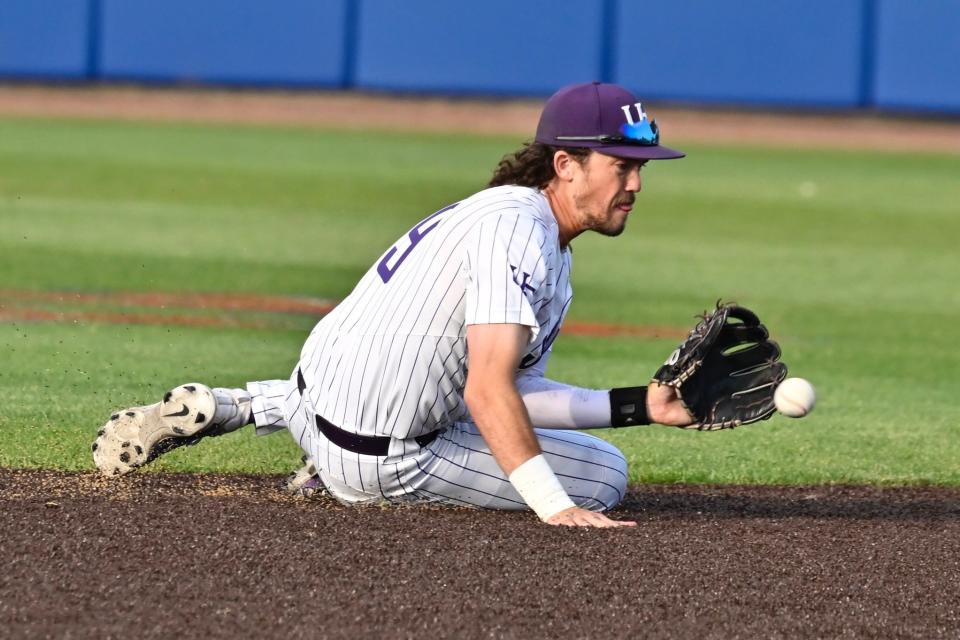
(364, 111)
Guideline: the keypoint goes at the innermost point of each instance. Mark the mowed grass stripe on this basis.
(849, 257)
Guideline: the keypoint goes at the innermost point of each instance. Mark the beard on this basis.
(610, 225)
(612, 228)
(608, 221)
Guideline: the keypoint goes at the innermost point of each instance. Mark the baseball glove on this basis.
(726, 370)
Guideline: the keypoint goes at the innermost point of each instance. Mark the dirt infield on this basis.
(352, 110)
(160, 555)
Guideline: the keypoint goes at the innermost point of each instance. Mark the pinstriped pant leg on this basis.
(277, 405)
(350, 477)
(458, 468)
(268, 400)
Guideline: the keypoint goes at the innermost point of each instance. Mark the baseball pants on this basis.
(456, 468)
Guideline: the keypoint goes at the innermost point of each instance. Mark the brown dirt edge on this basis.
(212, 300)
(169, 555)
(18, 305)
(361, 111)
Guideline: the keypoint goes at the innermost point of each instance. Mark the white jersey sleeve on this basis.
(505, 271)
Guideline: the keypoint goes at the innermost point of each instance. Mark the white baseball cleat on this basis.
(134, 437)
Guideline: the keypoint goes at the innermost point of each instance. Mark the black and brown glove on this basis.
(726, 370)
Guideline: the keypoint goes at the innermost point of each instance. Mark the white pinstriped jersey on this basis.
(391, 359)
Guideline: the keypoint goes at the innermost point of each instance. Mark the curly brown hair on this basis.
(532, 166)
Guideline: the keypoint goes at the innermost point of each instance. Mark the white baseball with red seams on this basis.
(795, 397)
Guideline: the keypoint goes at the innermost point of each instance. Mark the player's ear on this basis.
(563, 165)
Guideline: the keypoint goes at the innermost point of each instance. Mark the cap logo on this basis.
(641, 116)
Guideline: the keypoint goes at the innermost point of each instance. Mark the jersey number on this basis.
(408, 242)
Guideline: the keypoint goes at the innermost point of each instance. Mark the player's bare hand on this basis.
(664, 406)
(577, 517)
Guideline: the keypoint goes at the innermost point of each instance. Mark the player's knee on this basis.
(616, 481)
(612, 485)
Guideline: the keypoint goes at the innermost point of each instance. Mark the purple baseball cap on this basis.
(605, 117)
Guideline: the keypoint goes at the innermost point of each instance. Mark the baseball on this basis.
(795, 397)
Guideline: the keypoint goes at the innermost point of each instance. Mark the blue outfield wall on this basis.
(886, 54)
(45, 38)
(493, 46)
(229, 41)
(792, 52)
(917, 54)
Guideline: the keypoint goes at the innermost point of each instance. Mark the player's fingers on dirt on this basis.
(604, 521)
(567, 518)
(582, 518)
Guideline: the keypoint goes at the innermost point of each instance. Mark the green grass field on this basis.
(851, 258)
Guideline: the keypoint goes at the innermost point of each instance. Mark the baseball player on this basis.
(427, 383)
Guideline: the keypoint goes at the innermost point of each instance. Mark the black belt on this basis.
(367, 445)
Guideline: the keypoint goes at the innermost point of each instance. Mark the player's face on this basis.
(604, 192)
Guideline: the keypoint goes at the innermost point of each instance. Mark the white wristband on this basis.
(536, 483)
